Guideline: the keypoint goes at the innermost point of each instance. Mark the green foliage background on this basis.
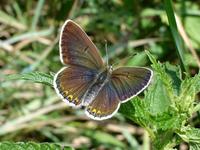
(166, 116)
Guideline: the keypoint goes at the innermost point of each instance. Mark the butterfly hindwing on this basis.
(130, 81)
(105, 104)
(76, 48)
(72, 82)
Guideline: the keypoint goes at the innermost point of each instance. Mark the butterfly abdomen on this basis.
(94, 89)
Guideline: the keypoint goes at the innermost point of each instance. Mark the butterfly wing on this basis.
(130, 81)
(72, 82)
(105, 105)
(125, 83)
(77, 49)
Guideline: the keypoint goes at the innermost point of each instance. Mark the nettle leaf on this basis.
(32, 146)
(136, 110)
(159, 71)
(157, 97)
(128, 109)
(171, 120)
(189, 88)
(142, 114)
(174, 72)
(166, 84)
(190, 135)
(37, 77)
(194, 146)
(163, 138)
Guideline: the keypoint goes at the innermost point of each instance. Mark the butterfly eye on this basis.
(111, 68)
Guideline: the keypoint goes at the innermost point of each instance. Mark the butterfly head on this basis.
(110, 68)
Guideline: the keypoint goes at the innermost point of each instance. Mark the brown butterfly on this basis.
(87, 81)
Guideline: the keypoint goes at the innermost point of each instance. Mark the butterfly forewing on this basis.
(105, 104)
(77, 49)
(130, 81)
(72, 82)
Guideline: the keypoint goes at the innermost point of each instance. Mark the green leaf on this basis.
(162, 140)
(32, 146)
(190, 135)
(191, 85)
(193, 135)
(141, 112)
(160, 71)
(171, 120)
(174, 73)
(189, 88)
(194, 146)
(136, 111)
(127, 109)
(157, 97)
(37, 77)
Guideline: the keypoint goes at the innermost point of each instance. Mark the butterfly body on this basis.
(100, 80)
(88, 82)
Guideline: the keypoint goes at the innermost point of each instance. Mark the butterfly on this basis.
(87, 81)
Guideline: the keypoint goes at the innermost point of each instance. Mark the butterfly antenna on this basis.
(106, 47)
(124, 59)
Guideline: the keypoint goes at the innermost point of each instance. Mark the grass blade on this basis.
(11, 21)
(37, 14)
(175, 34)
(29, 35)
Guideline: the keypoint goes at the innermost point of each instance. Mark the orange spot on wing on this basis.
(70, 97)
